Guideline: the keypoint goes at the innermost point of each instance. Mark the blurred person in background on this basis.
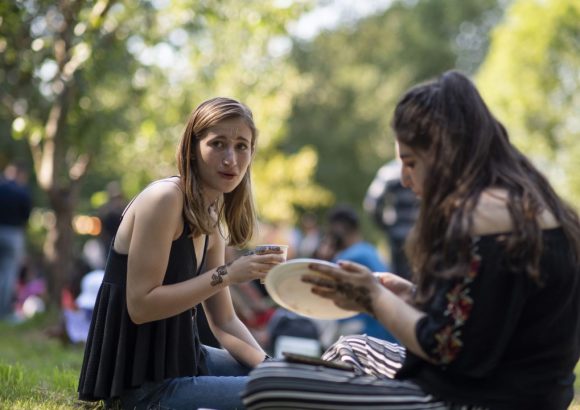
(394, 209)
(78, 313)
(309, 236)
(31, 289)
(344, 225)
(110, 214)
(15, 208)
(95, 250)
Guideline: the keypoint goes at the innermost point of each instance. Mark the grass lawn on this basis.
(37, 372)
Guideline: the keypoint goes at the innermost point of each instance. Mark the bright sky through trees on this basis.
(330, 13)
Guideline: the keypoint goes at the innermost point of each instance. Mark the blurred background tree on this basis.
(191, 53)
(102, 90)
(98, 91)
(531, 78)
(357, 72)
(64, 68)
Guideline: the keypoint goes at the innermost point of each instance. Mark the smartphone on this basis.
(300, 358)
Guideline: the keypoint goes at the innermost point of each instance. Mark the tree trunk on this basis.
(59, 245)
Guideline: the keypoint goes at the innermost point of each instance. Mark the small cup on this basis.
(271, 248)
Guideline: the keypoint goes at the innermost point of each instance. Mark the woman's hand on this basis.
(396, 284)
(351, 286)
(251, 266)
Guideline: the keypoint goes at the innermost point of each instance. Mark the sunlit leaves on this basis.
(283, 183)
(356, 73)
(220, 49)
(531, 79)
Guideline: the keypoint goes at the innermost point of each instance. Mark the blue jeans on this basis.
(220, 390)
(11, 253)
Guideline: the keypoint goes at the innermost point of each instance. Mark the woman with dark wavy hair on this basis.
(492, 318)
(168, 257)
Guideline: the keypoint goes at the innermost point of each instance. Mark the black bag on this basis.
(285, 323)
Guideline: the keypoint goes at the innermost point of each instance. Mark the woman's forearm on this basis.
(235, 337)
(165, 301)
(400, 318)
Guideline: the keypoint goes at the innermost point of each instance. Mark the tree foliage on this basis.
(63, 67)
(222, 49)
(357, 71)
(531, 79)
(101, 90)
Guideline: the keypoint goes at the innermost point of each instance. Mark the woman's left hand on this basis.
(351, 286)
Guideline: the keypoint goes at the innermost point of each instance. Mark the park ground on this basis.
(41, 373)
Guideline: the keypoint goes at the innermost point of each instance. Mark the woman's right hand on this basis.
(251, 266)
(401, 287)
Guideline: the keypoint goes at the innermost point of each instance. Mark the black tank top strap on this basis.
(202, 264)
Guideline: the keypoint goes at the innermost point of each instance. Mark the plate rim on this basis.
(274, 294)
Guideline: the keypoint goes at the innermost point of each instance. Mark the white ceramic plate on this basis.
(286, 288)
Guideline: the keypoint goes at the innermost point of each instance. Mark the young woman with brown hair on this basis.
(167, 257)
(492, 320)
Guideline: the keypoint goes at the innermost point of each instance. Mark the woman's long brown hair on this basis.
(236, 209)
(468, 151)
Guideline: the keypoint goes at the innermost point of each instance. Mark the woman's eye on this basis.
(217, 144)
(242, 147)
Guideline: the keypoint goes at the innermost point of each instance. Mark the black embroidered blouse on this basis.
(499, 339)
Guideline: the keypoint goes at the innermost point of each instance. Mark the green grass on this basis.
(38, 372)
(41, 373)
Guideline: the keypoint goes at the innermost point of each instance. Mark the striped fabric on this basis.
(282, 385)
(369, 355)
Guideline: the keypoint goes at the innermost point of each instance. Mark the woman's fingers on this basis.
(344, 294)
(338, 299)
(346, 305)
(325, 269)
(319, 281)
(352, 266)
(324, 292)
(345, 269)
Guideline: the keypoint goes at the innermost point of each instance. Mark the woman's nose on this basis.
(229, 158)
(405, 179)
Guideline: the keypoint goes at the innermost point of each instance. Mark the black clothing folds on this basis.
(500, 339)
(120, 354)
(497, 339)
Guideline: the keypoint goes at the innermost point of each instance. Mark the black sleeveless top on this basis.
(120, 354)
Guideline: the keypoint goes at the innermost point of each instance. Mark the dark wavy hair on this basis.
(235, 208)
(468, 151)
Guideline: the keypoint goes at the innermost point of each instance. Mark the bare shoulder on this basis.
(164, 194)
(159, 207)
(492, 216)
(491, 213)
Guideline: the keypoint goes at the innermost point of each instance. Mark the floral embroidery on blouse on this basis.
(459, 305)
